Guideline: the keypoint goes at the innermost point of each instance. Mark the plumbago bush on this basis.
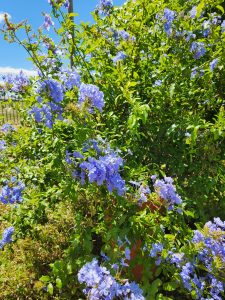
(113, 186)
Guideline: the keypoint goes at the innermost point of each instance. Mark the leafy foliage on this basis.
(87, 187)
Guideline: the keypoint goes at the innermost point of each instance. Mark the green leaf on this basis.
(58, 283)
(45, 278)
(170, 286)
(73, 14)
(132, 120)
(189, 213)
(155, 286)
(50, 288)
(220, 8)
(170, 237)
(132, 83)
(162, 297)
(172, 88)
(69, 268)
(200, 8)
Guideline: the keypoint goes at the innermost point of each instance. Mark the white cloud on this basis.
(10, 70)
(2, 14)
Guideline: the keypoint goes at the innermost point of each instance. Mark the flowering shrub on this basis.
(143, 95)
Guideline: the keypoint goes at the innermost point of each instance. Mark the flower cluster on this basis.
(222, 26)
(201, 285)
(2, 145)
(124, 34)
(208, 24)
(91, 93)
(47, 22)
(209, 245)
(169, 16)
(213, 64)
(105, 6)
(70, 78)
(12, 191)
(16, 83)
(167, 191)
(119, 56)
(6, 236)
(155, 252)
(196, 71)
(46, 113)
(176, 258)
(102, 285)
(105, 169)
(193, 12)
(157, 83)
(198, 48)
(116, 36)
(102, 169)
(52, 88)
(142, 192)
(7, 128)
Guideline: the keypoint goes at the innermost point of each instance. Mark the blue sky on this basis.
(12, 55)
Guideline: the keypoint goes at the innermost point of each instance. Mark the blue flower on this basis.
(193, 12)
(53, 88)
(169, 15)
(177, 259)
(119, 56)
(93, 94)
(7, 128)
(156, 248)
(12, 191)
(167, 191)
(198, 48)
(157, 82)
(102, 285)
(223, 26)
(124, 34)
(90, 273)
(142, 193)
(37, 114)
(47, 22)
(2, 145)
(105, 169)
(153, 177)
(219, 223)
(130, 291)
(105, 6)
(127, 253)
(187, 134)
(190, 35)
(48, 112)
(70, 78)
(185, 274)
(6, 236)
(198, 237)
(167, 28)
(213, 64)
(16, 83)
(77, 154)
